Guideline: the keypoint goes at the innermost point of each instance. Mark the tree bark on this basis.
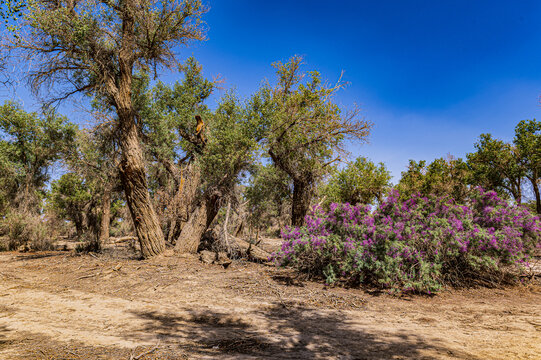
(78, 221)
(132, 167)
(253, 251)
(184, 200)
(517, 191)
(226, 222)
(200, 220)
(518, 197)
(535, 186)
(301, 201)
(302, 189)
(105, 214)
(132, 173)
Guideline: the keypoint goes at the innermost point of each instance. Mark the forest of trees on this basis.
(162, 163)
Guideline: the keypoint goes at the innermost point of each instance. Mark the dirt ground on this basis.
(61, 305)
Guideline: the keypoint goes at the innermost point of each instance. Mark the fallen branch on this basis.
(88, 276)
(114, 240)
(252, 250)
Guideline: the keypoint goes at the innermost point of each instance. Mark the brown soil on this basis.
(58, 305)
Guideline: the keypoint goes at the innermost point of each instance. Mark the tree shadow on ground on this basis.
(285, 332)
(3, 337)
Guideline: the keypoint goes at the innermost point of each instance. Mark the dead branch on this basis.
(253, 251)
(114, 240)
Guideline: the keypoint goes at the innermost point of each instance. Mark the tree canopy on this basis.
(360, 182)
(30, 143)
(495, 165)
(303, 129)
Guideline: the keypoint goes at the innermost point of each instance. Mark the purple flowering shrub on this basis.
(416, 245)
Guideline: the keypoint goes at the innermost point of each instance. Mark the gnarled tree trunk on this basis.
(132, 167)
(132, 174)
(302, 195)
(183, 201)
(200, 220)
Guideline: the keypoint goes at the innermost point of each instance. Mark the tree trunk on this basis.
(200, 220)
(132, 167)
(517, 193)
(535, 186)
(78, 221)
(226, 222)
(301, 201)
(132, 171)
(105, 214)
(184, 199)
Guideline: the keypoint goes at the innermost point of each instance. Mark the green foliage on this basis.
(528, 145)
(268, 193)
(78, 45)
(230, 146)
(69, 195)
(443, 177)
(302, 128)
(8, 172)
(69, 198)
(11, 10)
(495, 165)
(29, 145)
(504, 167)
(360, 182)
(167, 113)
(224, 149)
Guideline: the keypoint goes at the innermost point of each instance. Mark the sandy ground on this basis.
(60, 305)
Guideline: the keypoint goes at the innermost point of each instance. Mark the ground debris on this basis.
(249, 311)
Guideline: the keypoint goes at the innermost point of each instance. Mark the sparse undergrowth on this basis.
(418, 245)
(19, 229)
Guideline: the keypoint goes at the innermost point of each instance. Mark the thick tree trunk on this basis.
(200, 220)
(301, 202)
(78, 221)
(184, 200)
(132, 173)
(105, 214)
(132, 168)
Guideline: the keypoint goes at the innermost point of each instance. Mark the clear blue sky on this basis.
(431, 75)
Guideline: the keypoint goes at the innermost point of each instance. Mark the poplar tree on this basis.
(95, 47)
(303, 129)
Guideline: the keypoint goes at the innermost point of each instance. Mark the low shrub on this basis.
(417, 245)
(19, 229)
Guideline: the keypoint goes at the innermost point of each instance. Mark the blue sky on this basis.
(431, 75)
